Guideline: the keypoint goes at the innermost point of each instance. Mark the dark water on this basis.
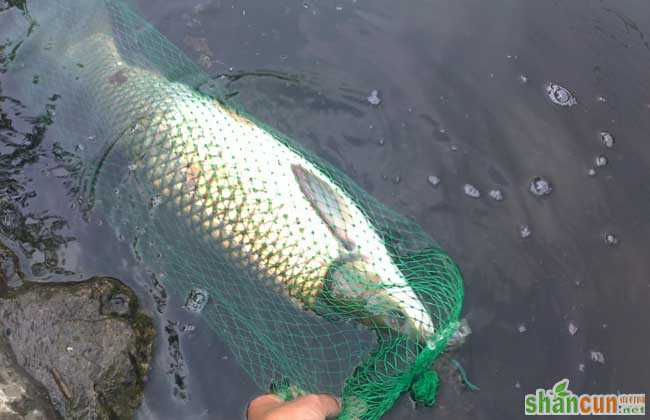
(454, 105)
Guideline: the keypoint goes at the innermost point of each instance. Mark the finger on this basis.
(324, 405)
(261, 405)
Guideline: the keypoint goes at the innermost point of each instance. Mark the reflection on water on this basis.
(461, 100)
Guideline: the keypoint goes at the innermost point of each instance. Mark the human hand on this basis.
(307, 407)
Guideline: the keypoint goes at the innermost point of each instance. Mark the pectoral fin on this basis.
(329, 205)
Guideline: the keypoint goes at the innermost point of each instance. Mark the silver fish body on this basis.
(235, 184)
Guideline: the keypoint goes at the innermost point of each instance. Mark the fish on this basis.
(237, 185)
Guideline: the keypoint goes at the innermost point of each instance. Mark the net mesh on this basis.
(313, 284)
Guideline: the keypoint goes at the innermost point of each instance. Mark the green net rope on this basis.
(313, 284)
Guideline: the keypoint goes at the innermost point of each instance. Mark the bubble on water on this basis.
(186, 328)
(591, 172)
(540, 186)
(601, 99)
(496, 195)
(560, 95)
(597, 356)
(374, 98)
(524, 231)
(433, 180)
(610, 239)
(471, 191)
(607, 139)
(522, 328)
(91, 138)
(305, 5)
(196, 300)
(600, 161)
(381, 142)
(573, 328)
(523, 78)
(155, 201)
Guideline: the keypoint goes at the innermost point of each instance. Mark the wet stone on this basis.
(21, 397)
(540, 186)
(471, 191)
(560, 95)
(86, 343)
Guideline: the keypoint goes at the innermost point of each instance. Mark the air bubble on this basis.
(573, 328)
(597, 356)
(607, 139)
(374, 98)
(540, 186)
(610, 239)
(155, 201)
(471, 191)
(433, 180)
(196, 300)
(560, 95)
(496, 195)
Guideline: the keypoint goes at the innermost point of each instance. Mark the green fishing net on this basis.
(314, 285)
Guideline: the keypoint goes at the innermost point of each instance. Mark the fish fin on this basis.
(331, 208)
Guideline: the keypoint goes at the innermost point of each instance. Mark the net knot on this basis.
(425, 389)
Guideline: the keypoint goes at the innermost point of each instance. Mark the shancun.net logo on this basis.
(561, 401)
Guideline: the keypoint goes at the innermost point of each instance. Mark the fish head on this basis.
(359, 288)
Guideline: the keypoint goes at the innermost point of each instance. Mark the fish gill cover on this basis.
(314, 285)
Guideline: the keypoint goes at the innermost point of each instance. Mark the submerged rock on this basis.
(87, 343)
(21, 397)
